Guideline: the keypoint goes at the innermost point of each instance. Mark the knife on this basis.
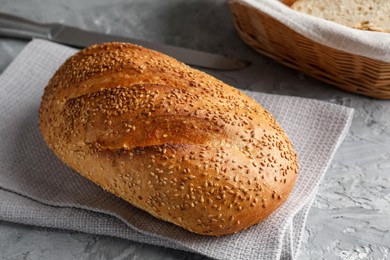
(16, 27)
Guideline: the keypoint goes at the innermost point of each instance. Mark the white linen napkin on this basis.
(374, 45)
(36, 188)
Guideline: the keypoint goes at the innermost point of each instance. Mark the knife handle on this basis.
(16, 27)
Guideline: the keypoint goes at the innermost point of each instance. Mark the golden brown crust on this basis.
(167, 138)
(288, 2)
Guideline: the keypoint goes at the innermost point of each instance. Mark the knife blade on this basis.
(17, 27)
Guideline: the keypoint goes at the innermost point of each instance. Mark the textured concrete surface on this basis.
(350, 218)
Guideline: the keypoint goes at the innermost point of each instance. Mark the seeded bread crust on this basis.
(167, 138)
(371, 15)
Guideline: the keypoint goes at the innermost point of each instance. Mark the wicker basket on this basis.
(347, 71)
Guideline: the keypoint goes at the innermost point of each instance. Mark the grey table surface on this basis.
(350, 218)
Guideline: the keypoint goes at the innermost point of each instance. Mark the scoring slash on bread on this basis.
(168, 139)
(372, 15)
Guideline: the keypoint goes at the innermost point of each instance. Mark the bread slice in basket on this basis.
(372, 15)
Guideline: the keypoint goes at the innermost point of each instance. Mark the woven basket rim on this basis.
(359, 38)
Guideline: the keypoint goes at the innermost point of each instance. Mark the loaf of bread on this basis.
(373, 15)
(168, 139)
